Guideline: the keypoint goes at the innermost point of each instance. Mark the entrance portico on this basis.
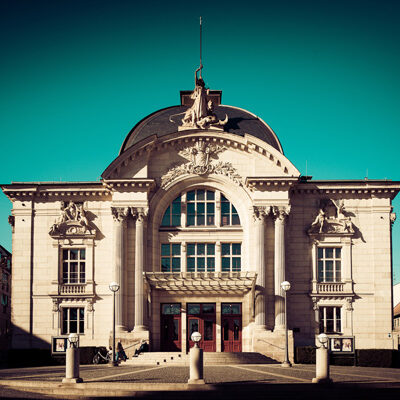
(218, 305)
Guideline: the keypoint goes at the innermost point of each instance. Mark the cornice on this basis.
(128, 184)
(359, 187)
(29, 190)
(271, 182)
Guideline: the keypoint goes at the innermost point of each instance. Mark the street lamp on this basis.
(323, 339)
(114, 287)
(73, 340)
(285, 286)
(196, 337)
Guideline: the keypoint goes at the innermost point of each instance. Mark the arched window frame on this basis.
(202, 207)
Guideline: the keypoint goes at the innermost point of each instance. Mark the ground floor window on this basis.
(330, 320)
(73, 320)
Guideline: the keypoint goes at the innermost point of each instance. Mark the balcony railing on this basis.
(330, 287)
(68, 288)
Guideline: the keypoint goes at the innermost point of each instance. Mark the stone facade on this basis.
(200, 224)
(5, 295)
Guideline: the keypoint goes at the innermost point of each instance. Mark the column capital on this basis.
(120, 213)
(281, 212)
(139, 213)
(261, 212)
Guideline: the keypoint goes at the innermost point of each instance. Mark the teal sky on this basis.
(76, 76)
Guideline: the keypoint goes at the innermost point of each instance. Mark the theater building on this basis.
(200, 218)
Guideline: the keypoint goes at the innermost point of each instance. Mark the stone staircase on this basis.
(182, 359)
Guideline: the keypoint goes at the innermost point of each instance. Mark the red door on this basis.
(170, 327)
(201, 318)
(231, 321)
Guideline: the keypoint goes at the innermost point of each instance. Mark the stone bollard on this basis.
(322, 362)
(196, 362)
(72, 361)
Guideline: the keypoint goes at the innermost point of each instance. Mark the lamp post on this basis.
(322, 361)
(114, 287)
(196, 360)
(72, 360)
(285, 286)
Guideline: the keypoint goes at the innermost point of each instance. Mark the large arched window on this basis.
(201, 206)
(200, 232)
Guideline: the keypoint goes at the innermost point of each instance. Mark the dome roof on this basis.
(240, 122)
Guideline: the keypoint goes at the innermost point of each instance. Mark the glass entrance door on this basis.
(171, 327)
(201, 318)
(231, 327)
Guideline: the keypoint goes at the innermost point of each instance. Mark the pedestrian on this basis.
(120, 353)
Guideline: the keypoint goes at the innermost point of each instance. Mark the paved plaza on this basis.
(230, 381)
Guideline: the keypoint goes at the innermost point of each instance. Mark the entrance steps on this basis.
(210, 358)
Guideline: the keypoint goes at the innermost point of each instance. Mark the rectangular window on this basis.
(329, 264)
(330, 320)
(231, 257)
(200, 207)
(73, 320)
(170, 257)
(200, 257)
(73, 265)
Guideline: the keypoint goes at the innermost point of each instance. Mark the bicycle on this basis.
(102, 356)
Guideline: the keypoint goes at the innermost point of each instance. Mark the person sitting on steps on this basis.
(142, 349)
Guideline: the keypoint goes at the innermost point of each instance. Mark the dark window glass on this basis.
(225, 264)
(190, 195)
(175, 333)
(236, 329)
(176, 249)
(225, 249)
(208, 330)
(172, 215)
(209, 308)
(193, 326)
(226, 329)
(165, 249)
(171, 309)
(191, 264)
(193, 309)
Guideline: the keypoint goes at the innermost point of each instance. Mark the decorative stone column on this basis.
(279, 265)
(259, 214)
(120, 215)
(140, 214)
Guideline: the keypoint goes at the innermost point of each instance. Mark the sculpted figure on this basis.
(81, 217)
(319, 221)
(201, 114)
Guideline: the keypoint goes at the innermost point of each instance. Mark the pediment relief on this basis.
(200, 157)
(200, 152)
(332, 218)
(72, 221)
